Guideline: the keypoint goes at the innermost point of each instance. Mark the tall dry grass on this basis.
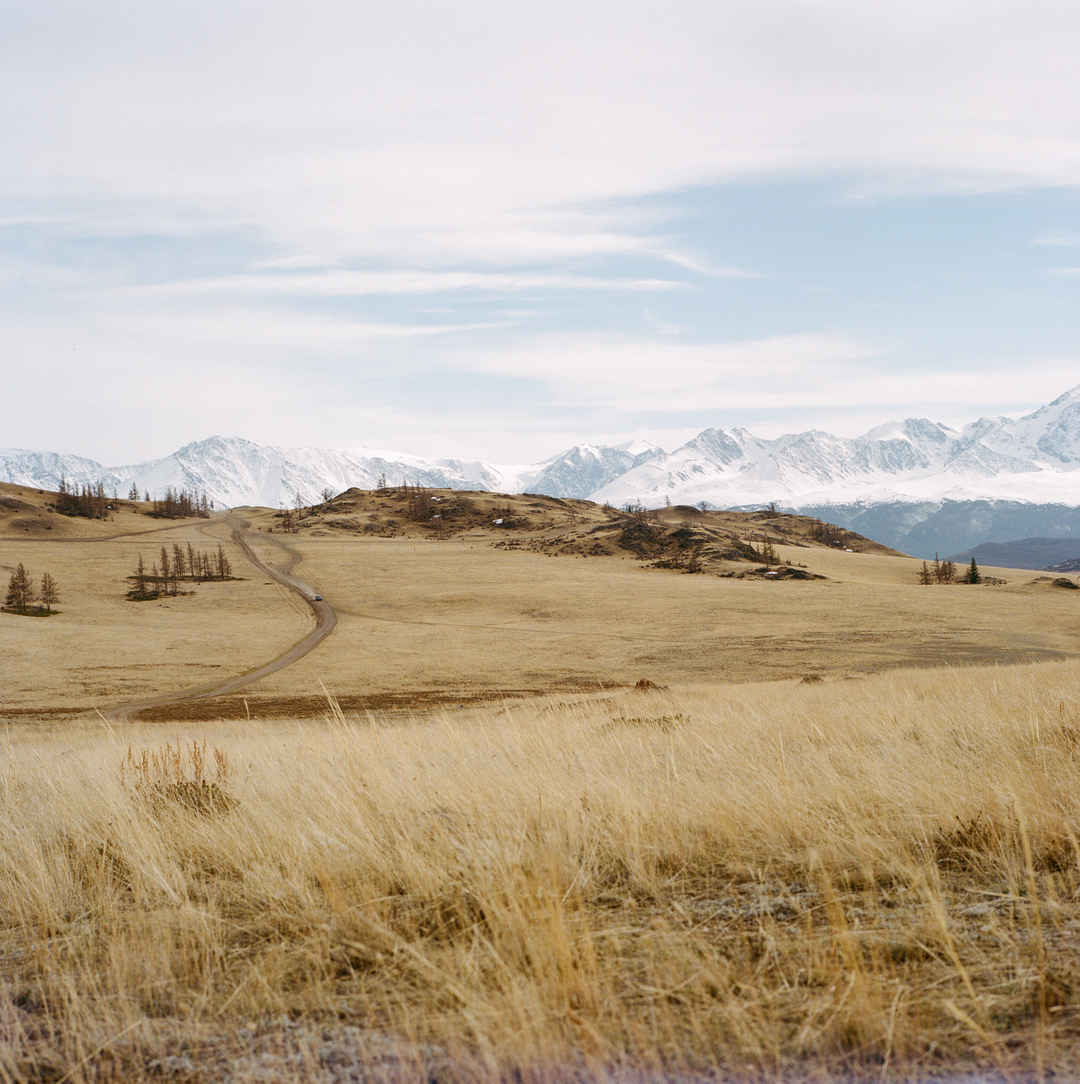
(873, 879)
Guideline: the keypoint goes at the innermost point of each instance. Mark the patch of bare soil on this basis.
(313, 707)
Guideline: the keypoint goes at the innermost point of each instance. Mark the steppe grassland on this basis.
(103, 649)
(864, 878)
(458, 616)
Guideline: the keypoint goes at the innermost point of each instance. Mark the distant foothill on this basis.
(918, 486)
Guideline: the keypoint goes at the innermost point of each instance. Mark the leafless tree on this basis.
(166, 570)
(20, 592)
(224, 571)
(178, 561)
(141, 590)
(50, 591)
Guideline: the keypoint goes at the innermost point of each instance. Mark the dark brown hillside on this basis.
(680, 537)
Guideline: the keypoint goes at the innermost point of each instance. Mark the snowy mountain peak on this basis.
(917, 431)
(638, 448)
(1035, 457)
(1070, 396)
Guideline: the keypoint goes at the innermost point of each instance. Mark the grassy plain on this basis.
(450, 620)
(842, 845)
(873, 879)
(102, 649)
(453, 618)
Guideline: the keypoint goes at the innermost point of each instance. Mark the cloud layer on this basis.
(376, 199)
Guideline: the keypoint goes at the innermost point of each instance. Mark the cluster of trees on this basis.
(21, 593)
(767, 550)
(291, 517)
(177, 504)
(184, 563)
(418, 501)
(89, 501)
(639, 511)
(945, 572)
(827, 533)
(939, 572)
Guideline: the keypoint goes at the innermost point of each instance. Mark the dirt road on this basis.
(325, 622)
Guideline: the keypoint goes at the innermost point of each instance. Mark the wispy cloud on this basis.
(783, 373)
(1067, 240)
(475, 134)
(344, 283)
(279, 330)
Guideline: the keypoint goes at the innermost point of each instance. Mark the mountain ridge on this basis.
(914, 468)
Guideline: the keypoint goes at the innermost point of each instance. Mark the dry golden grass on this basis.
(861, 879)
(102, 649)
(457, 620)
(873, 879)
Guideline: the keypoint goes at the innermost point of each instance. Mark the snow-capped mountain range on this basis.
(1034, 460)
(232, 471)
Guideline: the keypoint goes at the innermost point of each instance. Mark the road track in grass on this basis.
(325, 622)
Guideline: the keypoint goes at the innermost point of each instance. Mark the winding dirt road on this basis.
(325, 622)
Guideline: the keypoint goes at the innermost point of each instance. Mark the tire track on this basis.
(325, 622)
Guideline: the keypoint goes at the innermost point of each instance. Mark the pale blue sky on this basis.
(495, 230)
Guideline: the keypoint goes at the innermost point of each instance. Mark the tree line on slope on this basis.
(91, 502)
(176, 504)
(87, 501)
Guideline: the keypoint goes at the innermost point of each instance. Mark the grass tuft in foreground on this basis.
(863, 880)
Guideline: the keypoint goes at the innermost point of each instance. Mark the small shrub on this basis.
(175, 778)
(966, 845)
(665, 723)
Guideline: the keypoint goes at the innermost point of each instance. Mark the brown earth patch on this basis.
(314, 707)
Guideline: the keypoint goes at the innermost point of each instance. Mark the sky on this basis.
(495, 230)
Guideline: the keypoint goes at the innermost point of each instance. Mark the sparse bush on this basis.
(174, 777)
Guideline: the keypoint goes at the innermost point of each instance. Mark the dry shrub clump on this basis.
(175, 775)
(873, 879)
